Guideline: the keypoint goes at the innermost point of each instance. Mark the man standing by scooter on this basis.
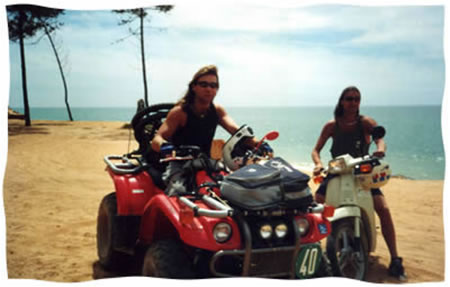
(350, 132)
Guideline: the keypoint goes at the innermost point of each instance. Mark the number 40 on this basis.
(309, 262)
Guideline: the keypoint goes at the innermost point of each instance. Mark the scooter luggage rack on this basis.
(221, 210)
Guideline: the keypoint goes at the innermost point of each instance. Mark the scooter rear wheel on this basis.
(348, 254)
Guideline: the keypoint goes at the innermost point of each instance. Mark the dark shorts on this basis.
(322, 190)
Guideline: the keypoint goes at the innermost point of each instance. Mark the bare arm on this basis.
(229, 124)
(327, 132)
(226, 121)
(369, 124)
(175, 119)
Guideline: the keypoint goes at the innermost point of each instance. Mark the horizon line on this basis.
(231, 106)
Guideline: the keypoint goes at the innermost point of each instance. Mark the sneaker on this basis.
(396, 269)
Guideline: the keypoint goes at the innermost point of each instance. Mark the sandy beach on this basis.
(55, 180)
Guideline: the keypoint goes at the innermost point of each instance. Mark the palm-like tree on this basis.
(25, 21)
(128, 16)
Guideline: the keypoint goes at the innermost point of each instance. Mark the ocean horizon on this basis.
(413, 133)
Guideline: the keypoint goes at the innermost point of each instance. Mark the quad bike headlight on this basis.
(265, 231)
(222, 232)
(281, 230)
(302, 225)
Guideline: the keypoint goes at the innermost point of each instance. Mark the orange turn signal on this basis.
(366, 168)
(318, 179)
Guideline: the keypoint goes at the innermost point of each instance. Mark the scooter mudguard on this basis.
(345, 211)
(165, 217)
(320, 228)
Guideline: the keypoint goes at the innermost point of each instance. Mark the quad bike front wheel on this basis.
(348, 254)
(167, 259)
(106, 232)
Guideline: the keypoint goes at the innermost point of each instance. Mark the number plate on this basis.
(308, 260)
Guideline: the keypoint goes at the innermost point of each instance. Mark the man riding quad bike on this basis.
(231, 218)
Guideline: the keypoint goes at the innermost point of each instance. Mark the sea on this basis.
(413, 133)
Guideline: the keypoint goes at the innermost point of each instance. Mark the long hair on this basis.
(189, 96)
(339, 110)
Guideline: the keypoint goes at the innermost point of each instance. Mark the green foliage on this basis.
(130, 15)
(27, 20)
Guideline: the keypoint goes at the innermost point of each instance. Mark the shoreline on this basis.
(306, 168)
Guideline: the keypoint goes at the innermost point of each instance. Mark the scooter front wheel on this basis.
(348, 254)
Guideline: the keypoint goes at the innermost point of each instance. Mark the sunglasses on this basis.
(352, 99)
(204, 84)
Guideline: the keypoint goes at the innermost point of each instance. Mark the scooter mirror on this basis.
(378, 132)
(273, 135)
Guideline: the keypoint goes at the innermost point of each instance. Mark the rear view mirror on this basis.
(271, 136)
(378, 132)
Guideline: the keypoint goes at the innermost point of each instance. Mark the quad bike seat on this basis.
(145, 124)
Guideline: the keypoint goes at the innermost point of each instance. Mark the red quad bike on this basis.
(259, 220)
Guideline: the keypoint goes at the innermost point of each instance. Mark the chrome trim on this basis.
(126, 167)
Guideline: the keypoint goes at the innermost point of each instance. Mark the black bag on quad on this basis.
(272, 185)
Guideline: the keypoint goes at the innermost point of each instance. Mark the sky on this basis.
(267, 54)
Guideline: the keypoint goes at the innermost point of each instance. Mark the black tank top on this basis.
(353, 142)
(198, 131)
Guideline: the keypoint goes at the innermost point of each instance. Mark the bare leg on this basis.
(387, 224)
(319, 198)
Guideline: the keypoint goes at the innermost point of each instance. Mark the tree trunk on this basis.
(66, 97)
(24, 74)
(143, 57)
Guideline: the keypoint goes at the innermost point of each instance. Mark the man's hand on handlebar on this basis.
(166, 149)
(265, 150)
(317, 170)
(378, 154)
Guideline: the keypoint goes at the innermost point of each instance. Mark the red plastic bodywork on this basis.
(314, 234)
(160, 214)
(133, 191)
(165, 217)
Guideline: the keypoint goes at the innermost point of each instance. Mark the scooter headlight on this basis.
(303, 226)
(281, 230)
(265, 231)
(336, 165)
(222, 232)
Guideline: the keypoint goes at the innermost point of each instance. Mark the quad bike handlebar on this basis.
(220, 210)
(179, 153)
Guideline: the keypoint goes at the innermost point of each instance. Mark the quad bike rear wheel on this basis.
(167, 259)
(348, 254)
(109, 258)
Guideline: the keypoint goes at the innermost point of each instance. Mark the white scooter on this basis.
(353, 234)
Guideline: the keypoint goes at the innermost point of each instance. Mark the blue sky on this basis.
(268, 55)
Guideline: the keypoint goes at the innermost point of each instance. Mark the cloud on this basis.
(297, 55)
(242, 17)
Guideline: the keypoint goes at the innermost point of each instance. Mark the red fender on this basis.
(161, 219)
(133, 191)
(320, 228)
